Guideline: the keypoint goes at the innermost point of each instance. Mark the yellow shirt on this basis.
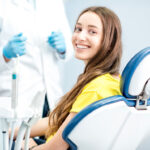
(99, 88)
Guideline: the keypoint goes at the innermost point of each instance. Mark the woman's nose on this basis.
(82, 35)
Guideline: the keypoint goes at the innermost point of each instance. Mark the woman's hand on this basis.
(40, 147)
(32, 144)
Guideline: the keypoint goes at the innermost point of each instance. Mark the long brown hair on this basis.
(106, 61)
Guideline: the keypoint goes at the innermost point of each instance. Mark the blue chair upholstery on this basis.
(118, 122)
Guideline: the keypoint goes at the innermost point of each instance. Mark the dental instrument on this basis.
(26, 125)
(14, 101)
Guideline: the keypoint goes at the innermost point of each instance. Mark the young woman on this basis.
(97, 41)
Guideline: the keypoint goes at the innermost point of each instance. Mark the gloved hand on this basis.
(16, 46)
(57, 41)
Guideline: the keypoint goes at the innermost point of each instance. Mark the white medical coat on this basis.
(38, 68)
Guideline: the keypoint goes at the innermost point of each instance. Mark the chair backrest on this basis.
(135, 74)
(114, 123)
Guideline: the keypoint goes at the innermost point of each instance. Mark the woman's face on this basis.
(87, 36)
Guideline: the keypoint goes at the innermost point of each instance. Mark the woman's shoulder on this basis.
(106, 77)
(103, 80)
(104, 85)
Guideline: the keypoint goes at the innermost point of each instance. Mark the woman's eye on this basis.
(77, 29)
(92, 32)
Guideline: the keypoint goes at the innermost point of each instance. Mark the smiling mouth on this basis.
(82, 46)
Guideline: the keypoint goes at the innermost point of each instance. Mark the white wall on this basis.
(135, 20)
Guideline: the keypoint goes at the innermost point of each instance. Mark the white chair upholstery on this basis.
(117, 122)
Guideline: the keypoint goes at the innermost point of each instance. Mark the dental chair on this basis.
(117, 122)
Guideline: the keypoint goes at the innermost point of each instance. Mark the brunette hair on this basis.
(107, 60)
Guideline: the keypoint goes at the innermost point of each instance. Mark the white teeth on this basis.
(81, 46)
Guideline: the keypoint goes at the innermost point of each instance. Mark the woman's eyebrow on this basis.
(78, 23)
(93, 26)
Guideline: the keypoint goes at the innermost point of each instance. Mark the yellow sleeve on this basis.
(83, 100)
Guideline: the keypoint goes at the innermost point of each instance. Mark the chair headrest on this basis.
(135, 74)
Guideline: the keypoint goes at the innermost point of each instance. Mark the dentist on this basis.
(30, 30)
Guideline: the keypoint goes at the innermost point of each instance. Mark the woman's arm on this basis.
(57, 142)
(38, 129)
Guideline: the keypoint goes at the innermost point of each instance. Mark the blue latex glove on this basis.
(57, 41)
(16, 46)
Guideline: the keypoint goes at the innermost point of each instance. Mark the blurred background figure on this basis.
(37, 32)
(40, 37)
